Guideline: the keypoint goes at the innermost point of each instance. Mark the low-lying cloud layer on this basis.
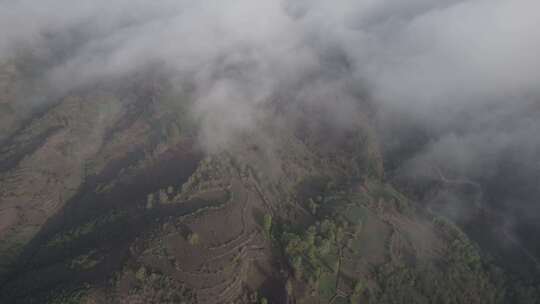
(414, 55)
(466, 72)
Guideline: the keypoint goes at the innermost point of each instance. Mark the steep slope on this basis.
(114, 201)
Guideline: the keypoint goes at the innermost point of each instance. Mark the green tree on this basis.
(357, 292)
(163, 197)
(311, 253)
(317, 272)
(313, 206)
(294, 243)
(173, 131)
(328, 228)
(340, 234)
(311, 233)
(289, 287)
(254, 297)
(267, 224)
(141, 274)
(296, 264)
(324, 247)
(150, 201)
(193, 238)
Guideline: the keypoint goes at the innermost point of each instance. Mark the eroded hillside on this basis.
(107, 197)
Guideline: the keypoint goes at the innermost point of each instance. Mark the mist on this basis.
(464, 73)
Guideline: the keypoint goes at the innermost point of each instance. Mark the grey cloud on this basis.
(466, 71)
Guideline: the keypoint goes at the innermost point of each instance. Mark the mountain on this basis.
(270, 151)
(108, 196)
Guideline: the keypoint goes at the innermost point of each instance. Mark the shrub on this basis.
(193, 238)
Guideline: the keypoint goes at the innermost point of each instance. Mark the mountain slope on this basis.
(115, 201)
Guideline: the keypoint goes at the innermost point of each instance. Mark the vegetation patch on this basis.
(84, 229)
(86, 261)
(327, 286)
